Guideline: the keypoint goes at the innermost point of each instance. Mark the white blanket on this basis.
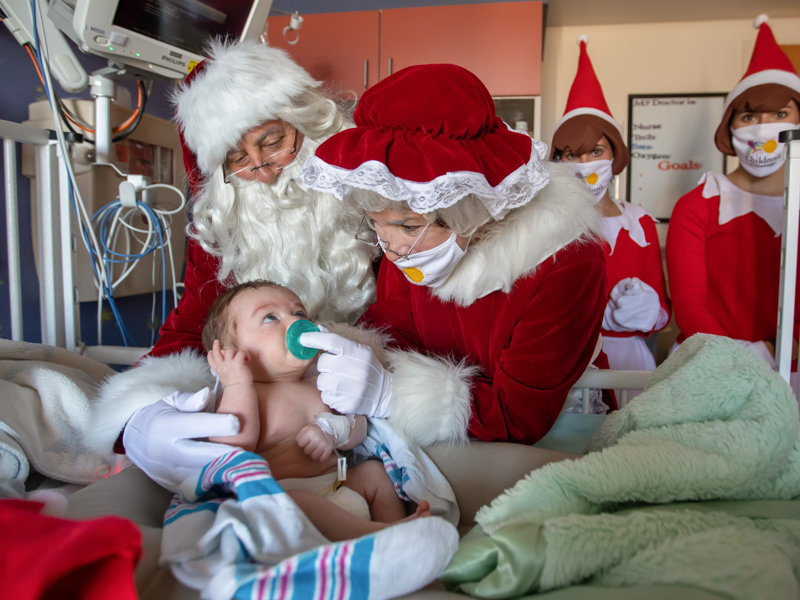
(46, 396)
(232, 531)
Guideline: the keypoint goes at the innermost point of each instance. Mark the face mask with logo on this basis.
(596, 174)
(430, 267)
(757, 146)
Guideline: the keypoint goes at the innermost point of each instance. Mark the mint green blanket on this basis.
(714, 424)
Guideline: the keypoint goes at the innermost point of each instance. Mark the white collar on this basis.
(735, 202)
(629, 220)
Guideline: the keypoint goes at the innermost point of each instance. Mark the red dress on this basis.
(632, 249)
(725, 277)
(531, 344)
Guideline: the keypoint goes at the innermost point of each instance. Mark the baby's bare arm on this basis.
(239, 397)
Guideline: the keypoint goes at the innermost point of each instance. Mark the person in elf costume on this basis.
(590, 141)
(724, 239)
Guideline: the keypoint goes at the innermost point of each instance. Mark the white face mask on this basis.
(757, 146)
(430, 267)
(596, 174)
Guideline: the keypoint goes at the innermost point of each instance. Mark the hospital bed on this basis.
(494, 467)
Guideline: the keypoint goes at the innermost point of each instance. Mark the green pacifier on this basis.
(293, 334)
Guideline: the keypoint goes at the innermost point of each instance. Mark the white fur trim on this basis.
(777, 76)
(760, 20)
(586, 110)
(242, 86)
(583, 38)
(123, 394)
(430, 398)
(560, 214)
(516, 189)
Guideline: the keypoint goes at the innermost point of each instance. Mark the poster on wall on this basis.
(671, 141)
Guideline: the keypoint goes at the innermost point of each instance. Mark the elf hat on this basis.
(428, 135)
(586, 104)
(239, 86)
(769, 66)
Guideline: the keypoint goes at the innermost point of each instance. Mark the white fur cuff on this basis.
(431, 398)
(124, 393)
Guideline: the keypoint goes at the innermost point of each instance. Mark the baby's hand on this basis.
(314, 442)
(230, 365)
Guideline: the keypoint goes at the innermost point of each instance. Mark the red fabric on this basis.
(531, 344)
(586, 91)
(631, 260)
(193, 175)
(184, 325)
(724, 279)
(767, 54)
(47, 558)
(425, 121)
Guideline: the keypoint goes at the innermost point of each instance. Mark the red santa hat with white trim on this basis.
(239, 86)
(769, 66)
(587, 108)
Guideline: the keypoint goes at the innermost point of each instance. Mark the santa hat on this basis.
(428, 135)
(239, 86)
(586, 100)
(768, 65)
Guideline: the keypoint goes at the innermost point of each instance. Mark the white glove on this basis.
(158, 437)
(351, 379)
(633, 306)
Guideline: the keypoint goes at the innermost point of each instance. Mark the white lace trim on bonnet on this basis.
(517, 189)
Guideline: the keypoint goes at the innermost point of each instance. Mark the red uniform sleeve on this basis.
(686, 267)
(549, 349)
(184, 325)
(654, 265)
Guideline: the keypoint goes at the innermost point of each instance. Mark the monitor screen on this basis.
(186, 24)
(158, 37)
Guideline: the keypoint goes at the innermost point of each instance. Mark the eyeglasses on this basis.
(228, 178)
(366, 234)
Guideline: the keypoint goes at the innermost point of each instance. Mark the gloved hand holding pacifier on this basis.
(633, 306)
(158, 437)
(351, 378)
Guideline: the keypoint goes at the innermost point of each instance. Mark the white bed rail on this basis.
(618, 380)
(56, 247)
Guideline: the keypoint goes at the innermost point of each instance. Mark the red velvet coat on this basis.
(531, 344)
(524, 305)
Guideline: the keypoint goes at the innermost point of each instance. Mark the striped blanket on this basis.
(232, 532)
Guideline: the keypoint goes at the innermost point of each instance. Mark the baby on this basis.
(274, 395)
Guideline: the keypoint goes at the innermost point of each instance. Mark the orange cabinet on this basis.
(338, 48)
(501, 43)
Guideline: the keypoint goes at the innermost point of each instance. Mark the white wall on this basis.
(651, 58)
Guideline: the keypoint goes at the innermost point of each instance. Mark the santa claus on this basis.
(248, 118)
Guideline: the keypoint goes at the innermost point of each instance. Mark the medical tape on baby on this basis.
(338, 427)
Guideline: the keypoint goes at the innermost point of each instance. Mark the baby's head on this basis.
(253, 317)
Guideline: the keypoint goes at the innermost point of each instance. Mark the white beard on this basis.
(285, 233)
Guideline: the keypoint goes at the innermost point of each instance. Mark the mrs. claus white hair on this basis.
(465, 217)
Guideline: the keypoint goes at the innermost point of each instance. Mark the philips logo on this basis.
(172, 60)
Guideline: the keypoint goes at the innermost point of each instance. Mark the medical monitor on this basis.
(163, 37)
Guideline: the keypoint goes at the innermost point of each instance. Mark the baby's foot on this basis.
(423, 510)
